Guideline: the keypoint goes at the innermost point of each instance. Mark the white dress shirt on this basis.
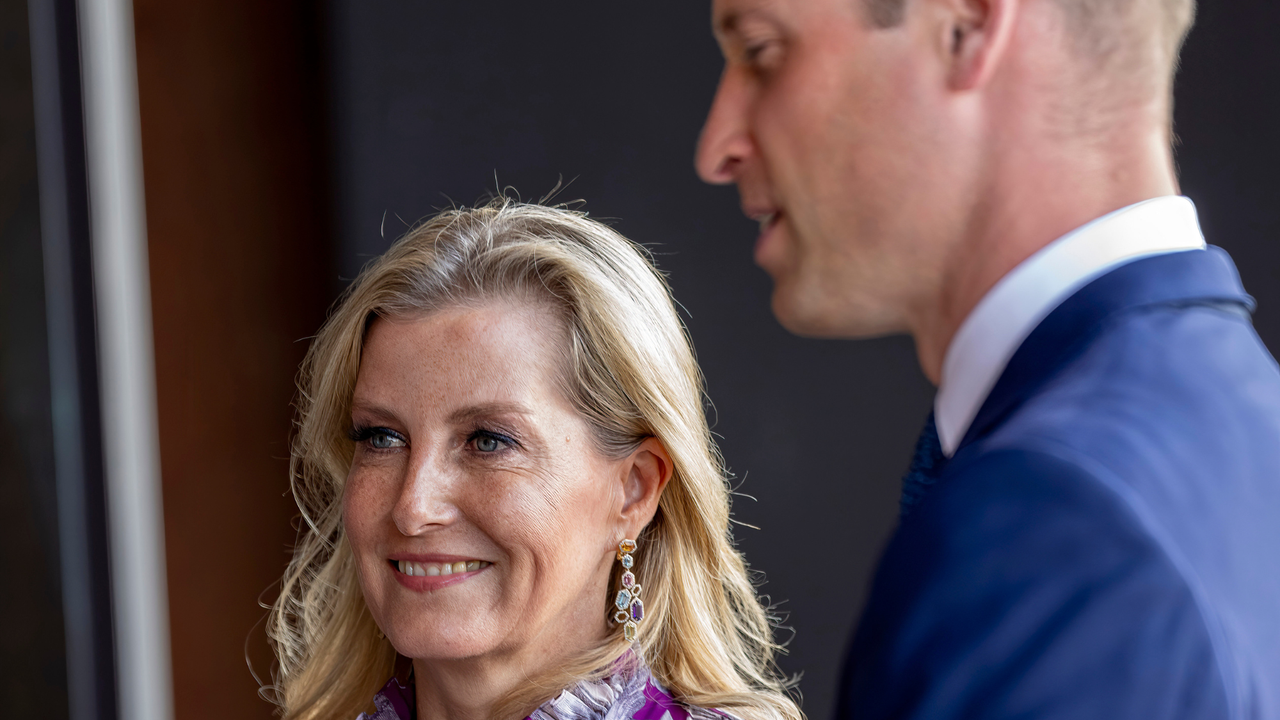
(1007, 314)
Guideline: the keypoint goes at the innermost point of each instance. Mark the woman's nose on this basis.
(725, 143)
(426, 499)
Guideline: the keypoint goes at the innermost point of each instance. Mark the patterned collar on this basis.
(625, 695)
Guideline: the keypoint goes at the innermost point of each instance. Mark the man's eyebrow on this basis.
(727, 24)
(467, 414)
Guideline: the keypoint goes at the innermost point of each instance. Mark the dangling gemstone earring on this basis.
(630, 606)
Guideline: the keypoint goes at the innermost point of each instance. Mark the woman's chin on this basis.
(457, 628)
(435, 646)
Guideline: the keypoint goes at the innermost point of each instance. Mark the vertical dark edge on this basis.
(318, 40)
(73, 362)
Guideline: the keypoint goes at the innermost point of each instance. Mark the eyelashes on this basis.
(483, 440)
(360, 433)
(489, 442)
(377, 438)
(751, 53)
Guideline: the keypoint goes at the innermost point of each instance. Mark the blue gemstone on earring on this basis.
(637, 610)
(624, 598)
(627, 562)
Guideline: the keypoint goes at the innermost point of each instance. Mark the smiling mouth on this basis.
(415, 569)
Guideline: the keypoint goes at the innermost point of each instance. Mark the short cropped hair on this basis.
(1100, 27)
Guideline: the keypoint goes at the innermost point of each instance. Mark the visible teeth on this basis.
(765, 220)
(413, 569)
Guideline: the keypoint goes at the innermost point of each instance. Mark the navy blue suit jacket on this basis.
(1105, 543)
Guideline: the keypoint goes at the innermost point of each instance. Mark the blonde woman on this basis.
(513, 504)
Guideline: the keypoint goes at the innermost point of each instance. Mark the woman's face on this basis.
(482, 519)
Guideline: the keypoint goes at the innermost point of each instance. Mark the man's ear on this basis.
(646, 473)
(976, 36)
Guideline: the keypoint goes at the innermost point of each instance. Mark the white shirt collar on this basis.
(1017, 303)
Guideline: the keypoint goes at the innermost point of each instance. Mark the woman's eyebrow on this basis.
(472, 412)
(376, 412)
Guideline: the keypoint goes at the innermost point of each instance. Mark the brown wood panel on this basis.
(240, 254)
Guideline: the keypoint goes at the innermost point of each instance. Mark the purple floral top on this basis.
(628, 695)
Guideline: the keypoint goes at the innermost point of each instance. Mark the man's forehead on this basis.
(727, 16)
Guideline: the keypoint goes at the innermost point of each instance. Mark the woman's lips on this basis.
(436, 573)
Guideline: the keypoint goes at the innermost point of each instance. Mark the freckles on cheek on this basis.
(361, 508)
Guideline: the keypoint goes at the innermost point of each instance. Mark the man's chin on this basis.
(814, 314)
(799, 317)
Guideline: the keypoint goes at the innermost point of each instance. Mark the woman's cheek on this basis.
(360, 509)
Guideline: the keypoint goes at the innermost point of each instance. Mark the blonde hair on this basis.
(628, 369)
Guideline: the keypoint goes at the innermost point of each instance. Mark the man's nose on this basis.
(426, 499)
(725, 144)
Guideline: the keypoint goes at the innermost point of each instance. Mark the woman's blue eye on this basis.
(487, 444)
(383, 441)
(378, 438)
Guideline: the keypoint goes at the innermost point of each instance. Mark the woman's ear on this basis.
(976, 34)
(645, 474)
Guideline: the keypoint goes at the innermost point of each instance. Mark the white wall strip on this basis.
(127, 366)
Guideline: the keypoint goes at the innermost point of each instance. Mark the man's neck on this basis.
(1031, 204)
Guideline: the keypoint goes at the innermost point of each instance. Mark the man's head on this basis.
(878, 141)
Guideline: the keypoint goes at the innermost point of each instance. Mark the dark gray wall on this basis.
(1228, 121)
(440, 102)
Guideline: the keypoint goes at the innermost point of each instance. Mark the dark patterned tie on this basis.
(926, 465)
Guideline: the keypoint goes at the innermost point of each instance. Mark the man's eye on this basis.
(487, 444)
(761, 55)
